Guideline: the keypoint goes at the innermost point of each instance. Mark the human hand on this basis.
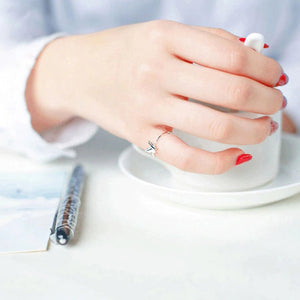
(134, 81)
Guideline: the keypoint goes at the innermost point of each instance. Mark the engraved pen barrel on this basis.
(67, 214)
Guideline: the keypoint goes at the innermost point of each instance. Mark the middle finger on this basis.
(223, 89)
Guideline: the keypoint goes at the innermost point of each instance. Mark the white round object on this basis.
(255, 41)
(156, 181)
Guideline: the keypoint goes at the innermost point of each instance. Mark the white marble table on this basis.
(129, 246)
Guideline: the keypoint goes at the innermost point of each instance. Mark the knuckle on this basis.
(237, 60)
(220, 31)
(145, 73)
(240, 92)
(218, 166)
(221, 129)
(185, 162)
(144, 70)
(158, 31)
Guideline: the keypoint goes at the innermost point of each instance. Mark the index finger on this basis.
(225, 54)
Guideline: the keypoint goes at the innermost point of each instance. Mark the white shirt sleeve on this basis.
(22, 37)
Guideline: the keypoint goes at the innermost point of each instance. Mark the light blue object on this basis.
(30, 185)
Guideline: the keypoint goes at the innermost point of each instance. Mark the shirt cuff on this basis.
(16, 132)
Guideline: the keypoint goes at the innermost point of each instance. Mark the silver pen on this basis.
(66, 216)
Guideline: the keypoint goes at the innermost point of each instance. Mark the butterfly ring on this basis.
(152, 149)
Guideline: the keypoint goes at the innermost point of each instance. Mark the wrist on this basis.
(47, 104)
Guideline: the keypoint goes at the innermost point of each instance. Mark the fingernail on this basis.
(244, 39)
(274, 127)
(243, 158)
(284, 79)
(284, 103)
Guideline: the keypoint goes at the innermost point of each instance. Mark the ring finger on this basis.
(174, 151)
(208, 123)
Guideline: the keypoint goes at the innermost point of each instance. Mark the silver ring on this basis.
(152, 149)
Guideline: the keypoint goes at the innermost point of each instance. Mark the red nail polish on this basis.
(266, 46)
(274, 127)
(284, 103)
(243, 158)
(284, 79)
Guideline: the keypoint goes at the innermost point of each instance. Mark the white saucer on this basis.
(155, 181)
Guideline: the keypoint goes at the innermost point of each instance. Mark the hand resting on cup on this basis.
(134, 81)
